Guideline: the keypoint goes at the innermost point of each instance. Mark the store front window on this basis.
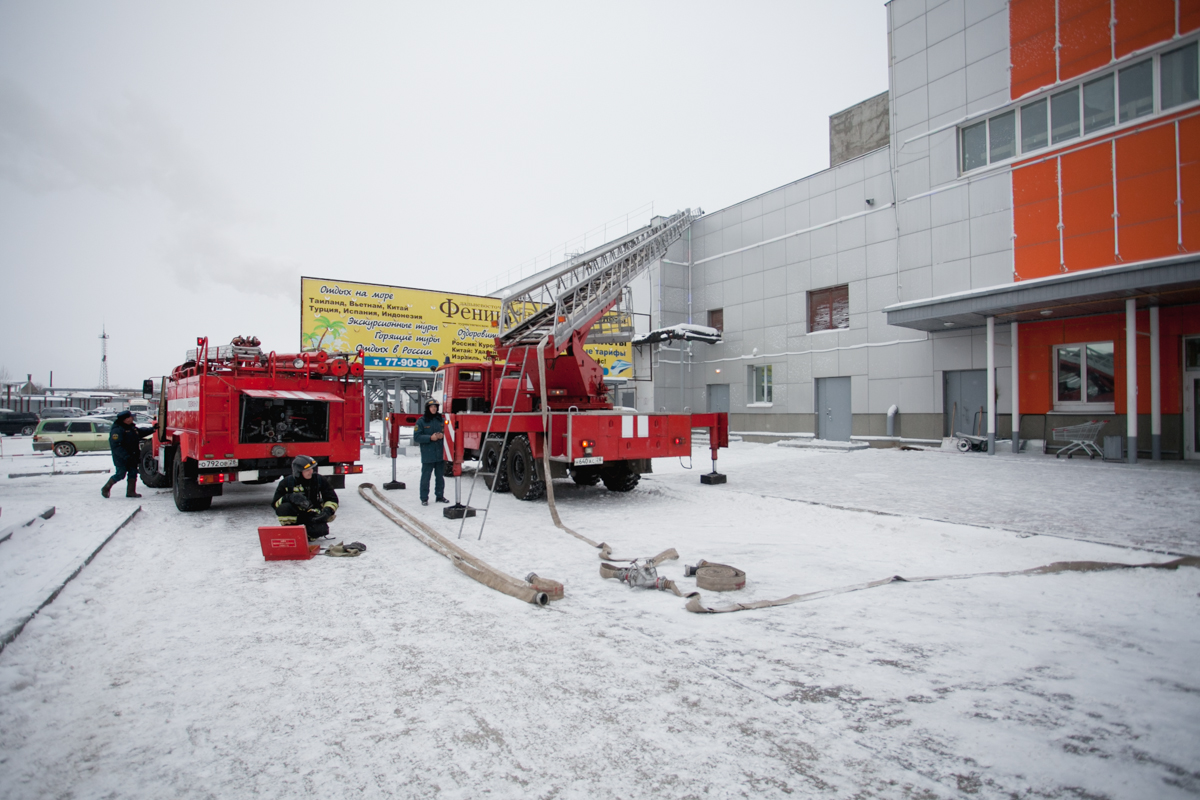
(1084, 377)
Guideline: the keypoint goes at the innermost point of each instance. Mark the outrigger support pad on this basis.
(712, 478)
(458, 510)
(393, 483)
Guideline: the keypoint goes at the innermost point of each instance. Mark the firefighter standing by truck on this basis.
(429, 432)
(125, 441)
(306, 498)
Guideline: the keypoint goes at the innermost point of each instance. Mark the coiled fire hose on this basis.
(716, 577)
(539, 591)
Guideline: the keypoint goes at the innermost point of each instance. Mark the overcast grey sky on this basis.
(171, 169)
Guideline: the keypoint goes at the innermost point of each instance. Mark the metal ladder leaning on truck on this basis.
(236, 414)
(549, 393)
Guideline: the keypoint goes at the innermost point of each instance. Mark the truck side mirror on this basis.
(147, 388)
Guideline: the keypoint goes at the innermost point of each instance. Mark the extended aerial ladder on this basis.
(543, 399)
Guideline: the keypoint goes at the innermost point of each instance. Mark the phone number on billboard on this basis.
(411, 363)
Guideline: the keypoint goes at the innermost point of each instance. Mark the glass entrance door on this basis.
(1191, 397)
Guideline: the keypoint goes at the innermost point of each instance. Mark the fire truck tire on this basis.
(148, 468)
(618, 477)
(180, 483)
(523, 479)
(491, 460)
(585, 476)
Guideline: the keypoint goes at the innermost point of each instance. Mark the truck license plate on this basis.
(583, 462)
(206, 463)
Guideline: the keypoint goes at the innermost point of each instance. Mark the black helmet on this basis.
(301, 463)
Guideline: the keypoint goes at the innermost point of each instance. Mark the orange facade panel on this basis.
(1035, 219)
(1142, 23)
(1146, 194)
(1189, 177)
(1189, 16)
(1031, 45)
(1084, 35)
(1087, 208)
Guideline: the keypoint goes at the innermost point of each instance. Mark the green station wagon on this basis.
(68, 436)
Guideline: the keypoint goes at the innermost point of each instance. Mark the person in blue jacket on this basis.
(125, 441)
(429, 432)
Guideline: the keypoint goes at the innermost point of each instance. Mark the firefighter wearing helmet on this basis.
(306, 498)
(429, 432)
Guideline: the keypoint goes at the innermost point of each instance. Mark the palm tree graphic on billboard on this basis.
(324, 326)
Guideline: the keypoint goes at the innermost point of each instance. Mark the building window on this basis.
(1064, 116)
(716, 319)
(1084, 376)
(829, 309)
(1136, 85)
(1180, 82)
(1118, 97)
(759, 389)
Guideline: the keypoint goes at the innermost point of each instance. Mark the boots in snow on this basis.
(131, 487)
(108, 486)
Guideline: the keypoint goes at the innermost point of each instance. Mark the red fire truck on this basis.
(495, 410)
(234, 413)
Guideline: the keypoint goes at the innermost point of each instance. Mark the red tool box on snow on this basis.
(286, 543)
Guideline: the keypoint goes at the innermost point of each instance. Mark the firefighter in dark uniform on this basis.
(125, 441)
(429, 432)
(306, 498)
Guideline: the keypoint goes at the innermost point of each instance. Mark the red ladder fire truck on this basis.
(544, 391)
(233, 413)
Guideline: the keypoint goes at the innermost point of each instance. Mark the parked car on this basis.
(14, 422)
(68, 436)
(139, 419)
(58, 412)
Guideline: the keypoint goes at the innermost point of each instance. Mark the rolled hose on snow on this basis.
(530, 592)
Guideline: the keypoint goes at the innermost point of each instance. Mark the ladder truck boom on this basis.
(543, 401)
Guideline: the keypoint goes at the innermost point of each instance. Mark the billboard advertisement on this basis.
(413, 330)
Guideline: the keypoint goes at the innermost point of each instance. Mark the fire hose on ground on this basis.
(534, 589)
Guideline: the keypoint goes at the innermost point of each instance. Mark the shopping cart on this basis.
(1079, 437)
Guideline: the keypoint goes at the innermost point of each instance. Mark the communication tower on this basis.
(104, 337)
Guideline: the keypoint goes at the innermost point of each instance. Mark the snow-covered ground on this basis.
(180, 664)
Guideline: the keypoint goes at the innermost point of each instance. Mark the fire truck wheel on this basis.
(618, 477)
(148, 468)
(522, 470)
(585, 476)
(180, 483)
(490, 461)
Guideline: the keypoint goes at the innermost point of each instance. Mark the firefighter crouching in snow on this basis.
(306, 498)
(125, 441)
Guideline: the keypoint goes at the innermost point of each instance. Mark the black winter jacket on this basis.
(124, 440)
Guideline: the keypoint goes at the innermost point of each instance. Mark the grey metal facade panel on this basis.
(916, 249)
(991, 269)
(853, 362)
(905, 11)
(881, 258)
(947, 56)
(916, 283)
(883, 362)
(796, 216)
(912, 109)
(949, 206)
(987, 37)
(978, 10)
(851, 234)
(915, 359)
(991, 193)
(948, 95)
(951, 242)
(952, 276)
(988, 76)
(881, 393)
(944, 20)
(852, 265)
(908, 39)
(992, 233)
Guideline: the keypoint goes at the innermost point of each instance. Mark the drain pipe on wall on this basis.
(891, 425)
